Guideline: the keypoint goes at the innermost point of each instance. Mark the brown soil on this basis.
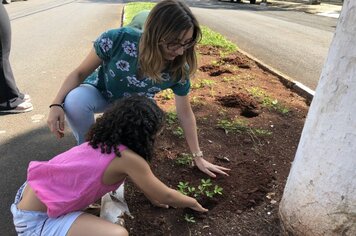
(259, 151)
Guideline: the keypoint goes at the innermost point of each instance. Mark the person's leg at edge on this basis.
(90, 225)
(10, 97)
(80, 105)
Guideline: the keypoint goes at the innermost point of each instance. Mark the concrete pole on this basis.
(320, 195)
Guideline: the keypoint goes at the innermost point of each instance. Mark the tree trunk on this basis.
(320, 195)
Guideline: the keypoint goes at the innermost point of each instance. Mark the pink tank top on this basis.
(72, 180)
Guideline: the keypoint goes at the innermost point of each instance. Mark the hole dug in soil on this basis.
(246, 103)
(214, 70)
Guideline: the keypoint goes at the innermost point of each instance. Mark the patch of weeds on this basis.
(222, 112)
(207, 83)
(256, 92)
(197, 85)
(215, 39)
(230, 78)
(248, 77)
(233, 126)
(212, 92)
(215, 63)
(267, 101)
(167, 94)
(240, 126)
(189, 218)
(171, 117)
(178, 132)
(185, 159)
(262, 132)
(203, 83)
(231, 67)
(197, 101)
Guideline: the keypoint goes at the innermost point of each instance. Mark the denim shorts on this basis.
(37, 223)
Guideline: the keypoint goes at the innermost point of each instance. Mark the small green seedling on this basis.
(197, 101)
(234, 126)
(183, 187)
(197, 85)
(167, 94)
(192, 191)
(262, 132)
(171, 117)
(185, 159)
(267, 101)
(204, 188)
(189, 218)
(179, 132)
(206, 183)
(209, 194)
(207, 83)
(203, 83)
(218, 190)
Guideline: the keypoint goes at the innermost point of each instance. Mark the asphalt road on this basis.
(50, 38)
(292, 42)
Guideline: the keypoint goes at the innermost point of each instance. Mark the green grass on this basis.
(210, 37)
(203, 83)
(233, 126)
(132, 8)
(167, 94)
(184, 159)
(241, 126)
(171, 117)
(213, 38)
(267, 101)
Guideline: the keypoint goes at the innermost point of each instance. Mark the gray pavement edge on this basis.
(287, 81)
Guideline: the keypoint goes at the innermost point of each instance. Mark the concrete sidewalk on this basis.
(330, 9)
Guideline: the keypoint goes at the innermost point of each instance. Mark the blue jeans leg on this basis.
(80, 106)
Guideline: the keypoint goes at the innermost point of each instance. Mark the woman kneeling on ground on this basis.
(125, 61)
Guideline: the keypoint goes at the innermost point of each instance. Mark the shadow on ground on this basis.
(15, 154)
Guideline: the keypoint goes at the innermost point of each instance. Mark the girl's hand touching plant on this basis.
(138, 170)
(198, 207)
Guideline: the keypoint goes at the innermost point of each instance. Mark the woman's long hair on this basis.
(166, 21)
(133, 122)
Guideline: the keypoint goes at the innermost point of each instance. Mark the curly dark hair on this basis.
(133, 122)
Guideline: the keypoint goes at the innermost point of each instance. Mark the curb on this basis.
(287, 81)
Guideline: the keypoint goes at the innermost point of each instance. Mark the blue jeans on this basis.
(80, 106)
(37, 223)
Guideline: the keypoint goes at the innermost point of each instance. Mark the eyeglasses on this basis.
(176, 46)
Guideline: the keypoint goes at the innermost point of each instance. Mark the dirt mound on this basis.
(246, 103)
(208, 50)
(238, 60)
(214, 70)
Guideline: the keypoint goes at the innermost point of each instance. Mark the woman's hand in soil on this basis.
(209, 168)
(198, 207)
